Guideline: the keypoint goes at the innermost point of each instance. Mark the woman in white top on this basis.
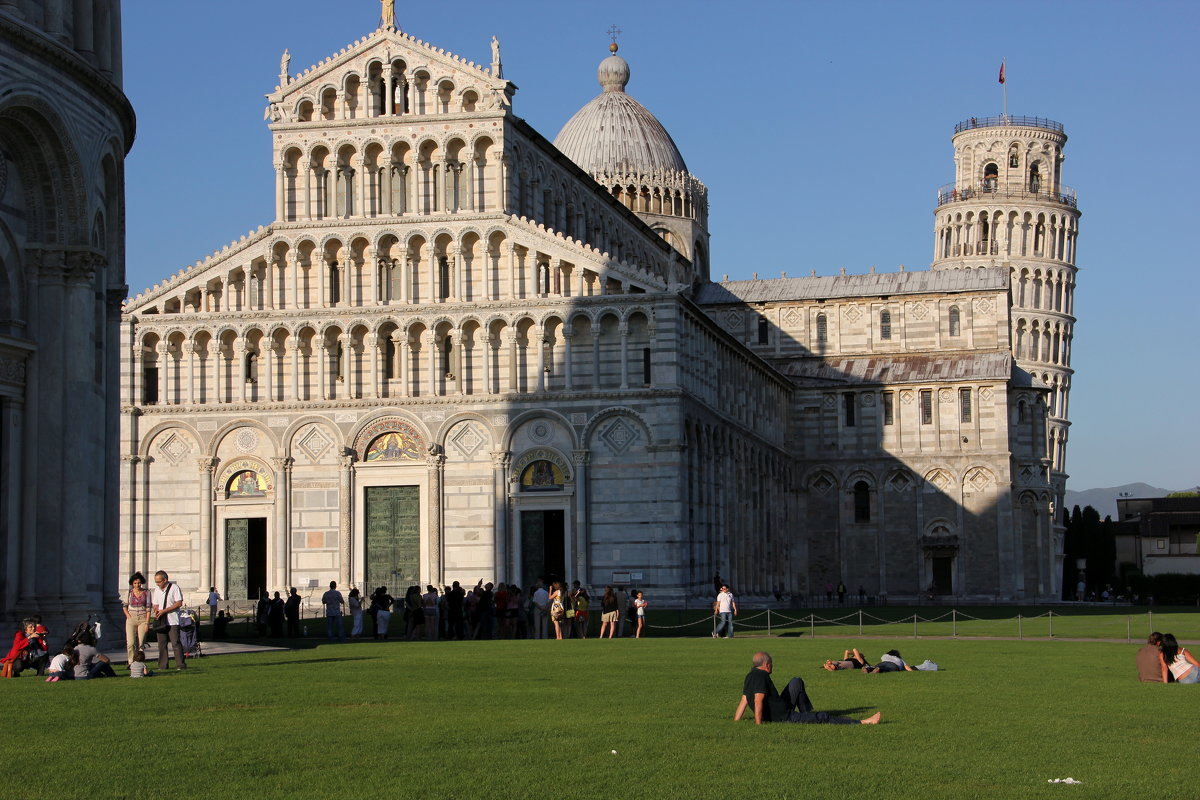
(1178, 661)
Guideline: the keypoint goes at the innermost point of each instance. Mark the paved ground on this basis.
(209, 648)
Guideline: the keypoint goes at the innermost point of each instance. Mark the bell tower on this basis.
(1008, 207)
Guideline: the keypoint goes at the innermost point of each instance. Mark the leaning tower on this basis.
(1007, 207)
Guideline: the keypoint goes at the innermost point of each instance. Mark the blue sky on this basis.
(822, 130)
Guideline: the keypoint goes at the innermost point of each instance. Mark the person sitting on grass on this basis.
(221, 625)
(1149, 664)
(62, 666)
(1177, 662)
(92, 663)
(889, 662)
(137, 667)
(851, 659)
(759, 693)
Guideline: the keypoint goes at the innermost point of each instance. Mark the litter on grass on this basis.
(1063, 780)
(614, 752)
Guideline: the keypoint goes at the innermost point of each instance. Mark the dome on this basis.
(615, 133)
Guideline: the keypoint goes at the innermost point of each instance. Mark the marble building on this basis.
(65, 127)
(463, 351)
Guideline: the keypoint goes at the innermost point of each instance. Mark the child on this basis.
(62, 666)
(137, 667)
(639, 605)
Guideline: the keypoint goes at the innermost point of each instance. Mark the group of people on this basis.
(154, 610)
(888, 662)
(1162, 660)
(486, 611)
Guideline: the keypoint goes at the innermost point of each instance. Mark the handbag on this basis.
(162, 623)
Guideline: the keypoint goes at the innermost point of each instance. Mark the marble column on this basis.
(501, 461)
(345, 516)
(131, 501)
(582, 559)
(624, 331)
(208, 555)
(283, 533)
(371, 347)
(436, 463)
(567, 335)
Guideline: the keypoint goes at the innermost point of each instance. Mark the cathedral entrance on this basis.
(393, 537)
(943, 574)
(245, 557)
(543, 546)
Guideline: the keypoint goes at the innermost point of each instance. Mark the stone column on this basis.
(308, 189)
(322, 353)
(460, 374)
(568, 335)
(131, 503)
(138, 376)
(272, 266)
(454, 265)
(164, 350)
(501, 460)
(293, 346)
(389, 106)
(208, 556)
(436, 463)
(344, 376)
(266, 370)
(283, 533)
(345, 515)
(582, 559)
(405, 355)
(405, 277)
(280, 192)
(322, 278)
(486, 342)
(542, 340)
(360, 167)
(624, 331)
(239, 370)
(510, 250)
(510, 339)
(371, 346)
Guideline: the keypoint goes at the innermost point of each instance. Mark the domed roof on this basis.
(615, 133)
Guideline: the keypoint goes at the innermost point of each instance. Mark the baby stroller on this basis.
(189, 633)
(91, 626)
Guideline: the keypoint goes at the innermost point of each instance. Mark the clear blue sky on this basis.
(821, 129)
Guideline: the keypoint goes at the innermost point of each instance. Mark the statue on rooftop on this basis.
(388, 16)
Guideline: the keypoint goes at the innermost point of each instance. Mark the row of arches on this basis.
(542, 190)
(92, 28)
(395, 358)
(1043, 340)
(392, 88)
(422, 267)
(380, 178)
(1033, 166)
(1008, 233)
(1047, 290)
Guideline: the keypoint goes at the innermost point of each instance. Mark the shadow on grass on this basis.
(308, 661)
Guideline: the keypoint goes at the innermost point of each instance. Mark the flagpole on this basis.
(1004, 84)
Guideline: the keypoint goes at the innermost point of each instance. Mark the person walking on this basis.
(214, 597)
(726, 610)
(335, 605)
(639, 607)
(610, 612)
(137, 615)
(167, 599)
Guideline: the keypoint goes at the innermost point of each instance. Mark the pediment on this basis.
(386, 45)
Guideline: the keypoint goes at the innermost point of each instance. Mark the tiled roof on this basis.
(835, 286)
(876, 369)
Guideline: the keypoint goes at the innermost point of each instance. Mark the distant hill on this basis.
(1105, 500)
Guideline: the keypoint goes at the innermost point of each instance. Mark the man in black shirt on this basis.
(759, 693)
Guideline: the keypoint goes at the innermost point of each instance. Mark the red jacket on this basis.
(21, 643)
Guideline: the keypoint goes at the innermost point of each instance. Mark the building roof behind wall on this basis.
(871, 285)
(976, 366)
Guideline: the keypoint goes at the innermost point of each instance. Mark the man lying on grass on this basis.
(758, 692)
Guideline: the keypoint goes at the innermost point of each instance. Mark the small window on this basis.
(964, 405)
(885, 325)
(889, 408)
(955, 321)
(763, 330)
(990, 175)
(646, 365)
(822, 329)
(1022, 415)
(926, 406)
(1035, 179)
(150, 385)
(251, 367)
(389, 361)
(862, 502)
(1014, 158)
(447, 356)
(848, 402)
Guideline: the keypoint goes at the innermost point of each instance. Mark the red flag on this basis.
(1002, 72)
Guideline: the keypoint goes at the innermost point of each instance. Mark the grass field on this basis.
(505, 719)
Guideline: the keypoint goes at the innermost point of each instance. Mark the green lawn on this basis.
(541, 718)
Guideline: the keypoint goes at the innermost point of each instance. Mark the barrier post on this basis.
(1128, 629)
(860, 622)
(1020, 632)
(914, 626)
(812, 625)
(1050, 614)
(768, 622)
(1150, 614)
(954, 623)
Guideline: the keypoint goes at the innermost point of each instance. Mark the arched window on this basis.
(763, 330)
(444, 278)
(862, 502)
(1035, 179)
(1014, 157)
(822, 329)
(955, 321)
(447, 356)
(991, 174)
(251, 367)
(389, 360)
(885, 325)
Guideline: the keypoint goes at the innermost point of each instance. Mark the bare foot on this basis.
(873, 720)
(829, 666)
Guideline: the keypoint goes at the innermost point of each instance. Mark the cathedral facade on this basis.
(463, 351)
(65, 127)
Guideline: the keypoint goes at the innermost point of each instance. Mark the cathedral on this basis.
(462, 350)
